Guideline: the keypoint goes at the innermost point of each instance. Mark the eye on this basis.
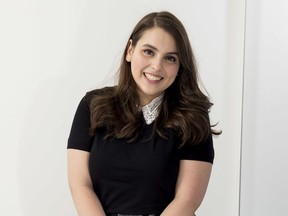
(171, 59)
(149, 52)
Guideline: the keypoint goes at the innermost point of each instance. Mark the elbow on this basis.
(190, 204)
(76, 186)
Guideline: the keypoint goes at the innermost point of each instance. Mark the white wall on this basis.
(52, 52)
(264, 189)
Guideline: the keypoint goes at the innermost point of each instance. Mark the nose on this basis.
(156, 64)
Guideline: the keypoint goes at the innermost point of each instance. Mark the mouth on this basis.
(152, 77)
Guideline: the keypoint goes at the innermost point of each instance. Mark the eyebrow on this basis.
(154, 48)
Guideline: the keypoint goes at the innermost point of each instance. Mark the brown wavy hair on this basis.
(184, 108)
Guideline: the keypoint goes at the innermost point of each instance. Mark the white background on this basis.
(264, 178)
(52, 52)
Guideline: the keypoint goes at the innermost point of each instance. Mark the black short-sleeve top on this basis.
(133, 178)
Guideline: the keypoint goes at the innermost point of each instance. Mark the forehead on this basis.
(159, 38)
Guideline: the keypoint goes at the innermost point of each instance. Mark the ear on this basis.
(129, 51)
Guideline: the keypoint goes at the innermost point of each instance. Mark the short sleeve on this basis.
(80, 137)
(204, 151)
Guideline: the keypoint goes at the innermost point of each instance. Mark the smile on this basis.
(152, 77)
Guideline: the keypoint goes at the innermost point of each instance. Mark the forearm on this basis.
(86, 201)
(191, 186)
(180, 207)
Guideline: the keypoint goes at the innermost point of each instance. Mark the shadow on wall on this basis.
(42, 172)
(42, 150)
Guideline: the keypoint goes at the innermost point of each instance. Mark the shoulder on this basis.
(105, 91)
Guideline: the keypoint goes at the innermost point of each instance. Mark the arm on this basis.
(84, 197)
(191, 186)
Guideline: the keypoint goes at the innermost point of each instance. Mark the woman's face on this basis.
(154, 63)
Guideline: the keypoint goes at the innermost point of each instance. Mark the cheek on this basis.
(172, 71)
(137, 64)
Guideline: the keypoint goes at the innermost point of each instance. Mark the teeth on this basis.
(151, 77)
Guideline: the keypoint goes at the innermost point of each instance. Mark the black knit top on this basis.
(133, 178)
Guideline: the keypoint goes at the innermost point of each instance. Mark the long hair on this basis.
(184, 108)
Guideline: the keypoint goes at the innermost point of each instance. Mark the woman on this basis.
(144, 147)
